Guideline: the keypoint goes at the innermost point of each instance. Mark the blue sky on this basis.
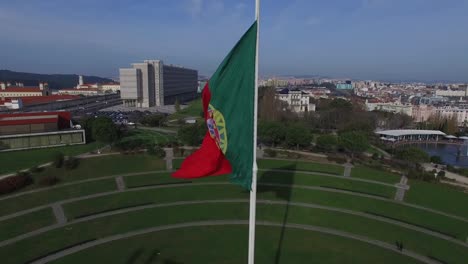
(365, 39)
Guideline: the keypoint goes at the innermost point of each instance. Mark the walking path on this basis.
(347, 169)
(59, 214)
(120, 183)
(402, 187)
(169, 157)
(328, 231)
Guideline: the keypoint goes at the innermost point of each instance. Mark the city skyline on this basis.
(370, 39)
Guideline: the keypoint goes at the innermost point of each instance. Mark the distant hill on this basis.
(55, 81)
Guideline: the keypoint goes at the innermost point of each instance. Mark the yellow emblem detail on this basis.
(217, 128)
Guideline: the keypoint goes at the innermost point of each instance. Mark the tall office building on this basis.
(152, 83)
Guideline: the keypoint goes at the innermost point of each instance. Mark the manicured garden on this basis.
(328, 201)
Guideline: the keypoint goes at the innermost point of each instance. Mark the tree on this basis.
(272, 133)
(297, 135)
(87, 124)
(436, 159)
(192, 135)
(412, 154)
(354, 142)
(154, 120)
(58, 159)
(177, 105)
(104, 130)
(327, 142)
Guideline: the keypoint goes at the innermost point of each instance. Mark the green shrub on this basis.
(157, 151)
(337, 158)
(270, 153)
(71, 163)
(48, 181)
(58, 159)
(10, 184)
(441, 174)
(36, 169)
(436, 159)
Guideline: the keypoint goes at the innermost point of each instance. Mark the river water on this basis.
(456, 155)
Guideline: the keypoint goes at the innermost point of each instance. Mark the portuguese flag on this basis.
(228, 105)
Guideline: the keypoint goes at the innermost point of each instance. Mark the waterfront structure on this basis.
(38, 130)
(410, 135)
(297, 100)
(153, 83)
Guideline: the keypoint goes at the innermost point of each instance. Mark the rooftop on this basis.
(408, 132)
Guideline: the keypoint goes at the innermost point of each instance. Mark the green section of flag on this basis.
(232, 93)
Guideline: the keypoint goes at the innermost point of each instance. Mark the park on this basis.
(125, 208)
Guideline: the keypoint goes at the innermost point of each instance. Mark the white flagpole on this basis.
(253, 192)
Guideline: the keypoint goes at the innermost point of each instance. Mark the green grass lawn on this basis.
(193, 108)
(300, 166)
(397, 211)
(439, 197)
(106, 166)
(57, 239)
(176, 163)
(43, 197)
(26, 223)
(288, 178)
(228, 245)
(151, 179)
(24, 159)
(147, 136)
(374, 174)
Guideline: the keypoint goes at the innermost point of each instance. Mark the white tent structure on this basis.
(410, 135)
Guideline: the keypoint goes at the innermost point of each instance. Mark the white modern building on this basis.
(453, 93)
(297, 100)
(153, 83)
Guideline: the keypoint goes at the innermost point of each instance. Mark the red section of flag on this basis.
(209, 160)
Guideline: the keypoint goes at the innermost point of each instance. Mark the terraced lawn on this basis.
(439, 197)
(300, 166)
(151, 179)
(13, 161)
(450, 226)
(184, 246)
(57, 239)
(271, 177)
(106, 166)
(373, 174)
(26, 201)
(26, 223)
